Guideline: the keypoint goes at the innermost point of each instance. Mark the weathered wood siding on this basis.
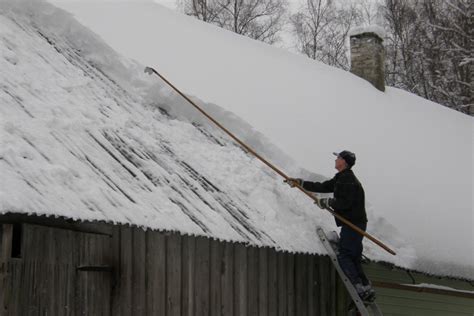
(136, 272)
(47, 279)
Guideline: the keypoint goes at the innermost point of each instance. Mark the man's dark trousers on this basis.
(350, 254)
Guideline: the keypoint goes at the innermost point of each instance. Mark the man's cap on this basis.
(349, 157)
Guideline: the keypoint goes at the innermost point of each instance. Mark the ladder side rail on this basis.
(349, 286)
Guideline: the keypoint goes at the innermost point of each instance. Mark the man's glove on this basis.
(323, 203)
(292, 182)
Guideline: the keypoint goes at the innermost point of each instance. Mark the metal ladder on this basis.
(363, 307)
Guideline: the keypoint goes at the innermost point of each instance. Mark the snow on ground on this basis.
(133, 164)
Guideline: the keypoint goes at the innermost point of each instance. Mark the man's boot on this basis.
(366, 292)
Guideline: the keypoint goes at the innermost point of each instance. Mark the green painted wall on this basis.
(402, 302)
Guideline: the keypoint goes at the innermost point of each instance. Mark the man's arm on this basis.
(321, 187)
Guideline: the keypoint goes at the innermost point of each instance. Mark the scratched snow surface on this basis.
(80, 139)
(76, 144)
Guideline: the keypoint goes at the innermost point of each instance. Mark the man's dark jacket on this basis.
(349, 197)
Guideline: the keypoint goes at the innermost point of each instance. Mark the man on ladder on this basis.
(349, 202)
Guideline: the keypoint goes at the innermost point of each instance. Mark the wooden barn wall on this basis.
(136, 272)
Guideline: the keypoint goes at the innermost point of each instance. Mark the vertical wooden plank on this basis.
(67, 278)
(35, 288)
(291, 284)
(173, 273)
(252, 281)
(341, 298)
(215, 278)
(332, 288)
(57, 294)
(188, 274)
(126, 264)
(272, 282)
(53, 296)
(263, 271)
(312, 284)
(65, 260)
(52, 258)
(240, 280)
(324, 285)
(14, 274)
(94, 286)
(7, 231)
(301, 284)
(32, 242)
(7, 235)
(79, 302)
(139, 271)
(282, 285)
(115, 259)
(202, 277)
(48, 290)
(227, 280)
(156, 273)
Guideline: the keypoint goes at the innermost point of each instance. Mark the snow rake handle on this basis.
(150, 71)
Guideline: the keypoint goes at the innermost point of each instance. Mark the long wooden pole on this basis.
(150, 71)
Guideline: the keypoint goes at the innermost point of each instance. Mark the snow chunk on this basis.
(359, 30)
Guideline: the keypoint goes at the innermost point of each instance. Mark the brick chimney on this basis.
(368, 55)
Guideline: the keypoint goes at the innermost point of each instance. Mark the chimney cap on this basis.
(371, 29)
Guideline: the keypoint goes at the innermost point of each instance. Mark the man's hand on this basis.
(323, 203)
(292, 182)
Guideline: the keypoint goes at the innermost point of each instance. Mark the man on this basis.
(349, 202)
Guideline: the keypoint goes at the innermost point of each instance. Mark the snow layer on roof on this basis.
(76, 143)
(439, 287)
(415, 157)
(84, 138)
(376, 29)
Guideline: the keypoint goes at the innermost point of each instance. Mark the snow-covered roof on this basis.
(83, 135)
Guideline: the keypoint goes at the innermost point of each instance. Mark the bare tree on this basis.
(258, 19)
(451, 26)
(402, 44)
(205, 10)
(321, 28)
(309, 25)
(429, 49)
(369, 12)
